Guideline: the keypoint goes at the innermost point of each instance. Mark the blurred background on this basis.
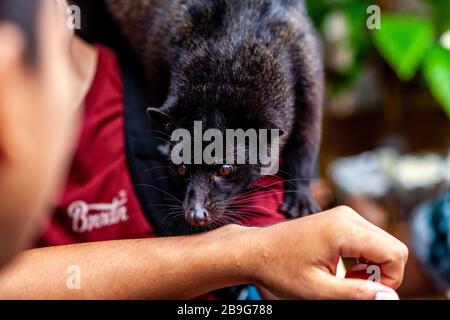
(386, 137)
(388, 94)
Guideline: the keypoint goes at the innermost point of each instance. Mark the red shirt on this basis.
(99, 202)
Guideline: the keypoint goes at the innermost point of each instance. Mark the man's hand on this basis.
(294, 259)
(298, 259)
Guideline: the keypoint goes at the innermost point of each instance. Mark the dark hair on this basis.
(24, 14)
(99, 27)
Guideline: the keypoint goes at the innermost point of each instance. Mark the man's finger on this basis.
(353, 289)
(387, 252)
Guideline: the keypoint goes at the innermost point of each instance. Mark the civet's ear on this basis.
(160, 115)
(163, 114)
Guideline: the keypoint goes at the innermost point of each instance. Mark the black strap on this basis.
(146, 149)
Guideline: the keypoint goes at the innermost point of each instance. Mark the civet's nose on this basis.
(198, 216)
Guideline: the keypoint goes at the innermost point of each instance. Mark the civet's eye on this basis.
(182, 170)
(226, 170)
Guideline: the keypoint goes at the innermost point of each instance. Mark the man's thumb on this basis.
(355, 289)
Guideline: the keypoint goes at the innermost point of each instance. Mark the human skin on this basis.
(294, 259)
(38, 120)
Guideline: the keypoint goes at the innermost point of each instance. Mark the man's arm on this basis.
(294, 259)
(157, 268)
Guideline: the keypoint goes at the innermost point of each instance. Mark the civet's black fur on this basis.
(234, 64)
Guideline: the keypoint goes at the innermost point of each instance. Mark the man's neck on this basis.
(84, 60)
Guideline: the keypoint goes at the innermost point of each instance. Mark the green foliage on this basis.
(440, 13)
(436, 71)
(355, 13)
(404, 41)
